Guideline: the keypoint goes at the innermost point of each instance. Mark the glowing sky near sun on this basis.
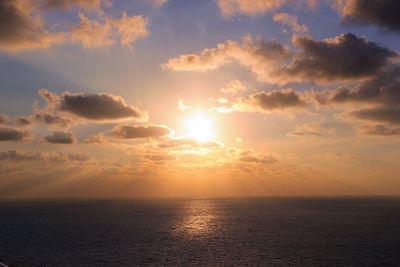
(196, 98)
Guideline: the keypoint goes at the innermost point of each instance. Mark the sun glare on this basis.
(199, 127)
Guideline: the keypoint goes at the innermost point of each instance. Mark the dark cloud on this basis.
(66, 4)
(344, 57)
(44, 118)
(75, 157)
(379, 129)
(379, 97)
(384, 13)
(100, 106)
(135, 132)
(19, 156)
(15, 155)
(380, 114)
(59, 137)
(51, 119)
(11, 134)
(21, 121)
(384, 88)
(269, 101)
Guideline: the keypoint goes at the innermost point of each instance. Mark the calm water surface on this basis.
(229, 232)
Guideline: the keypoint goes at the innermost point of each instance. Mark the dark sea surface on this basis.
(228, 232)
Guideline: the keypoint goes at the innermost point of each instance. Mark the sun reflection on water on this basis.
(199, 218)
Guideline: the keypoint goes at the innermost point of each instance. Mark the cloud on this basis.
(135, 132)
(49, 97)
(159, 157)
(21, 30)
(254, 8)
(291, 22)
(4, 119)
(256, 56)
(233, 87)
(66, 4)
(15, 155)
(158, 3)
(378, 96)
(383, 89)
(312, 129)
(51, 119)
(12, 134)
(384, 14)
(96, 139)
(186, 141)
(270, 101)
(60, 137)
(230, 8)
(21, 121)
(101, 106)
(249, 156)
(380, 114)
(342, 58)
(43, 118)
(130, 28)
(379, 129)
(91, 33)
(95, 34)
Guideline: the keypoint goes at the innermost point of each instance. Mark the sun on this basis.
(199, 127)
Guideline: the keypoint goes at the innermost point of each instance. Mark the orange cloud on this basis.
(4, 119)
(291, 22)
(233, 87)
(260, 57)
(230, 8)
(94, 34)
(312, 129)
(23, 28)
(254, 8)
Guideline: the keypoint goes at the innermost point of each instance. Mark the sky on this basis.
(189, 98)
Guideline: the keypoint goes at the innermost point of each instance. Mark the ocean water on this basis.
(202, 232)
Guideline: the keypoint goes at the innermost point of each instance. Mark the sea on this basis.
(300, 231)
